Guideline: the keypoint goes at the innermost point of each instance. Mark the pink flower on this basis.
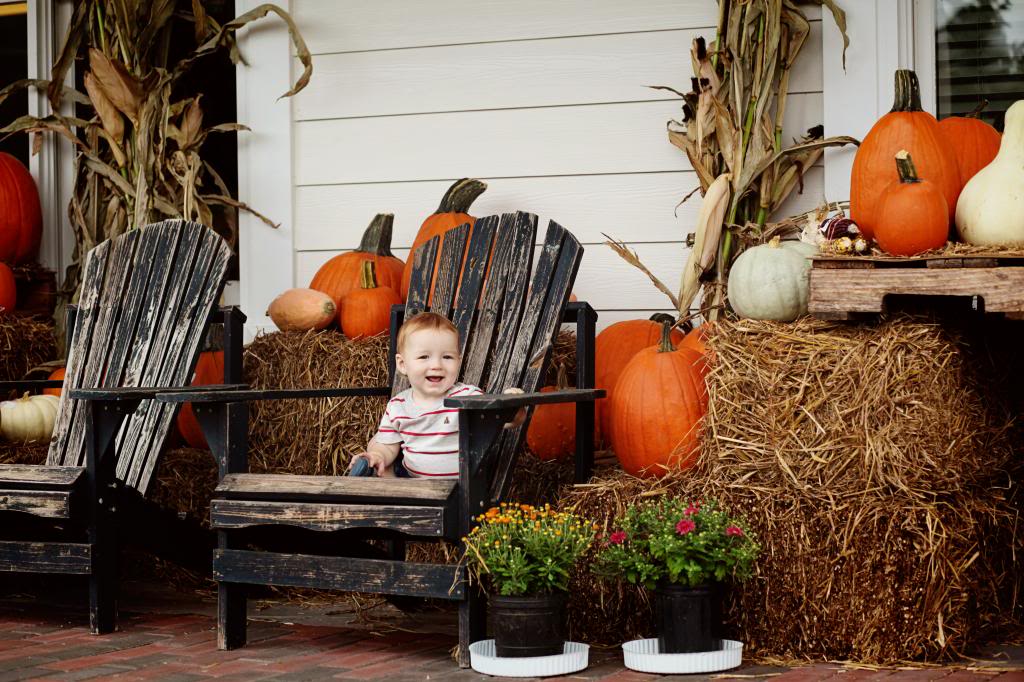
(618, 537)
(685, 526)
(691, 510)
(734, 530)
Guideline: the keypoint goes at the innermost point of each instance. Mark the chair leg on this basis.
(472, 623)
(231, 614)
(103, 579)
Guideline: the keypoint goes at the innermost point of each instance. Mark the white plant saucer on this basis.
(484, 659)
(642, 655)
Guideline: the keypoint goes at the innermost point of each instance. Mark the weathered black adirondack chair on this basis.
(145, 302)
(507, 324)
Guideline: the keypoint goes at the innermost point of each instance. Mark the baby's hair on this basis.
(424, 321)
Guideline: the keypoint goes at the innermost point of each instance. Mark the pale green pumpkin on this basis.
(29, 418)
(770, 281)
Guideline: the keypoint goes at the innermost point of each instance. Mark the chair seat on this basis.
(328, 503)
(44, 491)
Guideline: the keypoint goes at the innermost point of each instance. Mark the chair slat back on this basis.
(507, 321)
(146, 296)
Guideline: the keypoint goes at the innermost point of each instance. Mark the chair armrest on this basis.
(228, 394)
(497, 401)
(138, 392)
(30, 384)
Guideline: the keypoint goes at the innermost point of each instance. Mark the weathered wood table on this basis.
(848, 287)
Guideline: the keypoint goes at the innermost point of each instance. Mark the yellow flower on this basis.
(497, 544)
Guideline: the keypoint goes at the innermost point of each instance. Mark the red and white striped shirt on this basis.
(429, 435)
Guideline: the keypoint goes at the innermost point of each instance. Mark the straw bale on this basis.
(24, 343)
(875, 465)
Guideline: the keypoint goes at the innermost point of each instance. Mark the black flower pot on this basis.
(528, 626)
(687, 619)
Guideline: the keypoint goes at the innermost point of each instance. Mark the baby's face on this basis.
(431, 360)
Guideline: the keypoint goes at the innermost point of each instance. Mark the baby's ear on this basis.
(399, 363)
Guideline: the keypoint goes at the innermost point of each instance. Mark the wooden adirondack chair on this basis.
(145, 302)
(507, 325)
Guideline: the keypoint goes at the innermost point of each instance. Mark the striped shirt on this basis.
(429, 435)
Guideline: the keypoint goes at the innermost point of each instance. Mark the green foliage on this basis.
(523, 549)
(675, 541)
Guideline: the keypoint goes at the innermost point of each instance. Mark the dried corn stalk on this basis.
(138, 155)
(732, 127)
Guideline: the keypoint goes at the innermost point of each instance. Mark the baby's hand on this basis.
(520, 415)
(373, 459)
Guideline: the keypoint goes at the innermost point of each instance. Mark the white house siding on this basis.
(545, 101)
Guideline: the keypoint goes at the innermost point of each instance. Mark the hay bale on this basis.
(24, 343)
(875, 465)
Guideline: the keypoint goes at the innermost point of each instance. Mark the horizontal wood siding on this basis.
(546, 102)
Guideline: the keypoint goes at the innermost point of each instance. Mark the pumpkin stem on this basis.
(776, 242)
(976, 113)
(461, 195)
(562, 380)
(368, 275)
(905, 167)
(665, 346)
(377, 238)
(908, 92)
(662, 318)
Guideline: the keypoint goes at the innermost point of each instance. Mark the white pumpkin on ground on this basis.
(28, 418)
(990, 210)
(770, 281)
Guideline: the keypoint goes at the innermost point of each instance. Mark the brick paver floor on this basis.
(169, 635)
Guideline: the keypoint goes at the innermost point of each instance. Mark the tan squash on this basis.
(302, 309)
(29, 418)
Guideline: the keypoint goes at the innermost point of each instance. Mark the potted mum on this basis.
(524, 554)
(683, 552)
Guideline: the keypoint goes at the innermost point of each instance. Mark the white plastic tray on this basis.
(642, 655)
(484, 659)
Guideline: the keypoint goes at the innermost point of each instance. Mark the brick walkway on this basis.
(176, 640)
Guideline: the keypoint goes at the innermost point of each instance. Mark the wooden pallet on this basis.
(844, 288)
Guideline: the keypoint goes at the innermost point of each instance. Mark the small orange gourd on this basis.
(55, 375)
(340, 274)
(908, 127)
(8, 290)
(913, 215)
(552, 432)
(453, 211)
(973, 141)
(657, 408)
(209, 370)
(366, 311)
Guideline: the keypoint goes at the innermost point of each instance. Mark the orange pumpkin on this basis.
(367, 311)
(615, 347)
(209, 370)
(696, 339)
(452, 212)
(8, 289)
(913, 213)
(657, 408)
(21, 216)
(340, 274)
(908, 127)
(302, 309)
(552, 432)
(974, 142)
(55, 375)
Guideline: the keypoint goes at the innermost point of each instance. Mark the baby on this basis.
(416, 420)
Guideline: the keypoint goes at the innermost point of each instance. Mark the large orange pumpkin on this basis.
(696, 339)
(453, 211)
(340, 274)
(908, 127)
(657, 408)
(366, 311)
(974, 142)
(615, 347)
(209, 370)
(552, 432)
(21, 217)
(8, 290)
(55, 375)
(913, 213)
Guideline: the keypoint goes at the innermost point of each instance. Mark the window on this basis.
(14, 67)
(979, 55)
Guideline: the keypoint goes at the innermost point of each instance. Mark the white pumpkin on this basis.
(28, 418)
(990, 210)
(770, 282)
